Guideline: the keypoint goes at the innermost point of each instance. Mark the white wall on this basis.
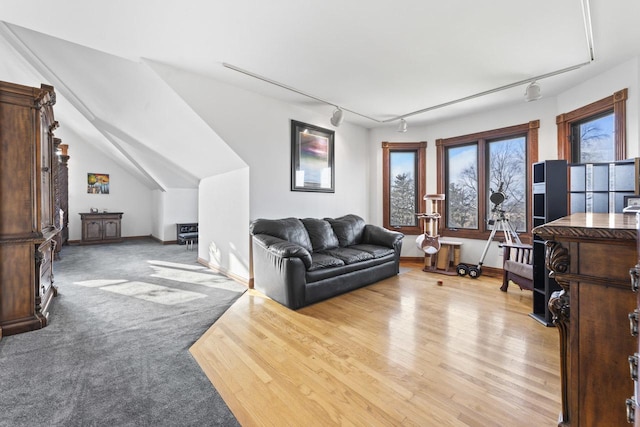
(157, 214)
(126, 194)
(223, 233)
(545, 110)
(258, 129)
(170, 207)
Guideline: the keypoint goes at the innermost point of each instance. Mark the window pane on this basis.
(507, 169)
(596, 141)
(462, 187)
(402, 194)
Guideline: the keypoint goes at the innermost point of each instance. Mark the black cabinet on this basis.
(549, 203)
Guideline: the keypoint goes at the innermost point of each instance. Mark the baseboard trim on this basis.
(411, 259)
(242, 280)
(138, 237)
(163, 242)
(150, 236)
(492, 272)
(487, 271)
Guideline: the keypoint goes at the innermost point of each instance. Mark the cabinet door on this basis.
(92, 229)
(45, 168)
(111, 229)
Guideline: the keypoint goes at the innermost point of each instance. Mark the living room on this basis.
(183, 146)
(157, 181)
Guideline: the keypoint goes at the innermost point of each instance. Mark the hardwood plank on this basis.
(404, 351)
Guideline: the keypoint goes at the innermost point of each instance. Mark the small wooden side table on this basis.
(445, 260)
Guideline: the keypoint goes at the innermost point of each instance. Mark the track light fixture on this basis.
(337, 117)
(532, 92)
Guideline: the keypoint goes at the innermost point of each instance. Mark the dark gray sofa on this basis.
(298, 262)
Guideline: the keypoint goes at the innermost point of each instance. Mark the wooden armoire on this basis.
(27, 227)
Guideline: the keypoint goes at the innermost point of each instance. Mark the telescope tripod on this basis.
(499, 221)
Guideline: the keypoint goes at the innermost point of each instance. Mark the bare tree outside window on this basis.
(507, 168)
(472, 166)
(594, 140)
(596, 132)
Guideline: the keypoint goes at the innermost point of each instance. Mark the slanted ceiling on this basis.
(378, 58)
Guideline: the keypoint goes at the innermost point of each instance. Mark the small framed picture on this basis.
(631, 204)
(97, 183)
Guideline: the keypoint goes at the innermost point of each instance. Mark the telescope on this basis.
(498, 221)
(497, 197)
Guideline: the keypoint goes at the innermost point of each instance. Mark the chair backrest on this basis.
(522, 254)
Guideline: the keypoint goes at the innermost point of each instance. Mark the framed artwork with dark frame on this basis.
(312, 160)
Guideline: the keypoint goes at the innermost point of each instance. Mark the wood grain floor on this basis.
(403, 351)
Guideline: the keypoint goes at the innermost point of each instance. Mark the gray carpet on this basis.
(115, 352)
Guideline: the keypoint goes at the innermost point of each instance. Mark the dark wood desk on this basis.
(590, 256)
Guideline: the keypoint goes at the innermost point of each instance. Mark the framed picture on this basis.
(98, 183)
(312, 161)
(633, 200)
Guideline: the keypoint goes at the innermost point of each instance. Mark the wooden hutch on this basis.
(27, 227)
(589, 255)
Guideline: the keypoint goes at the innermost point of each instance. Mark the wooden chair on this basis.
(517, 266)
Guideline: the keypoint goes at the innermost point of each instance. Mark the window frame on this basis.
(530, 130)
(616, 102)
(420, 148)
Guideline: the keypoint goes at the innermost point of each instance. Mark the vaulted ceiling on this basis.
(376, 58)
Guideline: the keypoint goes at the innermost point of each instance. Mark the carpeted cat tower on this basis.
(441, 256)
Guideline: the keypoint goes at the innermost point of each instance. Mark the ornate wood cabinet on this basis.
(633, 402)
(27, 227)
(590, 255)
(61, 193)
(101, 227)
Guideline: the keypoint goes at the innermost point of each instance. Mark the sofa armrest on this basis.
(376, 235)
(282, 248)
(279, 270)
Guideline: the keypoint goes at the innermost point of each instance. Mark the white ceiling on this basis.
(379, 58)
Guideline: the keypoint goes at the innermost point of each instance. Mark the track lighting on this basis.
(533, 92)
(337, 117)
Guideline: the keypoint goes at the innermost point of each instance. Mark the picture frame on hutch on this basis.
(312, 158)
(631, 204)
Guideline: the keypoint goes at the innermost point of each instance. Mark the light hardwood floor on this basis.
(403, 351)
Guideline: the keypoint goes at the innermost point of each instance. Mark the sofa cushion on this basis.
(289, 229)
(327, 273)
(375, 250)
(320, 261)
(522, 270)
(321, 234)
(348, 255)
(349, 229)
